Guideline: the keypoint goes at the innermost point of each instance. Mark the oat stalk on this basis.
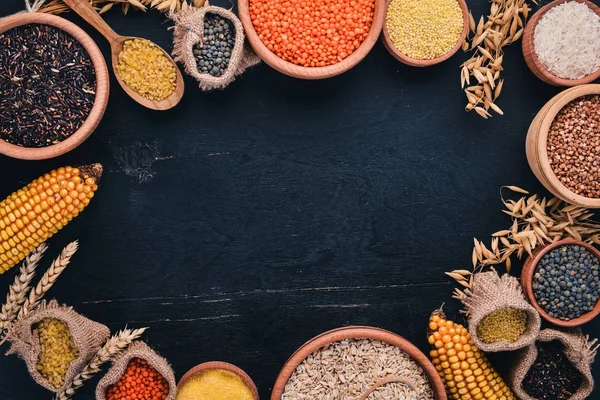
(504, 25)
(48, 279)
(17, 292)
(103, 6)
(113, 347)
(536, 221)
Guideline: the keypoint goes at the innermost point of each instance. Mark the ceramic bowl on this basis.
(212, 365)
(102, 87)
(298, 71)
(532, 59)
(403, 58)
(537, 137)
(362, 332)
(527, 281)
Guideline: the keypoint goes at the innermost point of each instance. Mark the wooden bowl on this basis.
(102, 88)
(537, 137)
(527, 283)
(358, 332)
(532, 59)
(403, 58)
(212, 365)
(298, 71)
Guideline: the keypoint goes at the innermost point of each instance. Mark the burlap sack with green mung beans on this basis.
(490, 293)
(189, 31)
(88, 336)
(577, 348)
(119, 366)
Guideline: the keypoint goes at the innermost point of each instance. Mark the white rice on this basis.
(567, 40)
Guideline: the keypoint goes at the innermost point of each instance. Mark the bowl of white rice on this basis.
(561, 43)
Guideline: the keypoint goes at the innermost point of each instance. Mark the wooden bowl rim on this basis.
(212, 365)
(298, 71)
(102, 87)
(358, 332)
(398, 55)
(543, 160)
(527, 280)
(533, 62)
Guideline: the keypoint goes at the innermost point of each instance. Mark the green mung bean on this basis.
(507, 324)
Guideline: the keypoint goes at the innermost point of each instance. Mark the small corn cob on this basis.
(464, 369)
(33, 214)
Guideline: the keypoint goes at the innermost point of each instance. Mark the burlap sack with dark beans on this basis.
(490, 293)
(119, 365)
(577, 348)
(88, 335)
(189, 30)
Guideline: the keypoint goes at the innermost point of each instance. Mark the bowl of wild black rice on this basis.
(562, 282)
(54, 86)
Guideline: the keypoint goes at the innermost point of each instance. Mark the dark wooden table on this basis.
(244, 222)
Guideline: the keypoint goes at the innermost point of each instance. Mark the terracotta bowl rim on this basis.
(213, 365)
(356, 332)
(398, 55)
(298, 71)
(527, 283)
(535, 64)
(102, 87)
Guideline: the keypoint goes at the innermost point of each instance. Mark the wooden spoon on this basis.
(85, 11)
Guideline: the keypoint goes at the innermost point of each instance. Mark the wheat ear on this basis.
(48, 279)
(17, 292)
(113, 346)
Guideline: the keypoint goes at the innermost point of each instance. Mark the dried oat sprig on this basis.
(535, 222)
(113, 347)
(102, 6)
(17, 293)
(48, 279)
(504, 25)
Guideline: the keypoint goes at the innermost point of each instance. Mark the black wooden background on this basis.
(244, 222)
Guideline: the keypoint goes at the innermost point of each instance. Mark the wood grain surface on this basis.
(242, 223)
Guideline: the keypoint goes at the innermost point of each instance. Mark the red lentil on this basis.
(313, 33)
(139, 382)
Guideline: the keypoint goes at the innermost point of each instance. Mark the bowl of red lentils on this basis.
(563, 146)
(314, 39)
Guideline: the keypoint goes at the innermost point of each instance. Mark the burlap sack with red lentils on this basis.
(120, 363)
(577, 348)
(88, 335)
(490, 292)
(189, 31)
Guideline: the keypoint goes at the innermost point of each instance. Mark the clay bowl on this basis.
(537, 137)
(531, 57)
(393, 50)
(207, 366)
(102, 88)
(362, 332)
(527, 280)
(311, 72)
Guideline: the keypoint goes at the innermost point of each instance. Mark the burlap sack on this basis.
(119, 365)
(189, 30)
(491, 293)
(88, 335)
(577, 349)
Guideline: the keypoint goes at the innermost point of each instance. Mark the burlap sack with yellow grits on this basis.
(490, 293)
(189, 30)
(577, 348)
(88, 335)
(119, 365)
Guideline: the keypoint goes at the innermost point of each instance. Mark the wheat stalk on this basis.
(113, 346)
(17, 293)
(102, 6)
(48, 279)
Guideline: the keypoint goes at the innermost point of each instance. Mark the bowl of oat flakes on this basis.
(358, 363)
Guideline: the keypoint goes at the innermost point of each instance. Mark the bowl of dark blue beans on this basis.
(562, 282)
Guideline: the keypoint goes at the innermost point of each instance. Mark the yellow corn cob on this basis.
(33, 214)
(464, 369)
